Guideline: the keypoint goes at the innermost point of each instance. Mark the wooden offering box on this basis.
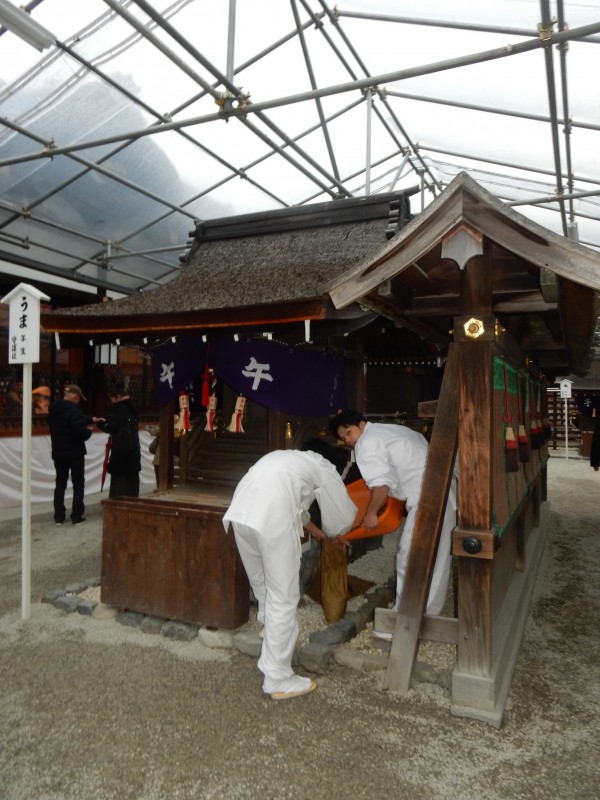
(172, 559)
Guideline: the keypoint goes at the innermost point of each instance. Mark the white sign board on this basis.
(565, 389)
(24, 324)
(24, 348)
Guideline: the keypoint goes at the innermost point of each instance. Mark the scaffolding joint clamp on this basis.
(546, 32)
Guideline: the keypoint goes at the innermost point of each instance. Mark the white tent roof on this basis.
(143, 116)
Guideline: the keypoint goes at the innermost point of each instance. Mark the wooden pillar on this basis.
(276, 430)
(475, 619)
(475, 508)
(183, 458)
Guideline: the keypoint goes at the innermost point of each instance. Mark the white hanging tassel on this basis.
(211, 410)
(235, 426)
(307, 330)
(183, 423)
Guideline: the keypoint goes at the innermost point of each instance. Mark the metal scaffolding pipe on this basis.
(488, 109)
(231, 40)
(316, 18)
(313, 83)
(565, 98)
(258, 160)
(368, 148)
(429, 69)
(399, 172)
(230, 88)
(60, 272)
(252, 60)
(27, 243)
(236, 172)
(534, 201)
(131, 253)
(545, 32)
(95, 167)
(438, 23)
(335, 23)
(471, 157)
(363, 83)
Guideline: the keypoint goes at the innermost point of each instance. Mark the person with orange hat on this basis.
(41, 399)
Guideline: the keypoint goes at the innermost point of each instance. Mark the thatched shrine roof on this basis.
(347, 262)
(253, 269)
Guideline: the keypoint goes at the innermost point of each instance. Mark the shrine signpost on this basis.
(24, 348)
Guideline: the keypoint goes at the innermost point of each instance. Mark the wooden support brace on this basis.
(427, 409)
(426, 535)
(433, 629)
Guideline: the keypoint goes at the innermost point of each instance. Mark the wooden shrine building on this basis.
(469, 297)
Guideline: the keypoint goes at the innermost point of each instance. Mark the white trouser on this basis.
(272, 565)
(441, 571)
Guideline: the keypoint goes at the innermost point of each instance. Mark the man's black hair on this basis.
(344, 418)
(328, 451)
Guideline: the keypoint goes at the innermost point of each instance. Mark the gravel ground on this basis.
(92, 709)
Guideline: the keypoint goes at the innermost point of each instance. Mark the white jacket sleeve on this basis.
(338, 512)
(375, 464)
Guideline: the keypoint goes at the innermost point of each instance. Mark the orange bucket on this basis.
(390, 516)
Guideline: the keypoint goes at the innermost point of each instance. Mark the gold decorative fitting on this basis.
(473, 328)
(498, 329)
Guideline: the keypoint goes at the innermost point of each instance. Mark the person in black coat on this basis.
(124, 463)
(595, 452)
(69, 431)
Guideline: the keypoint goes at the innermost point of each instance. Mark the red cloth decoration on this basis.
(105, 465)
(205, 387)
(206, 375)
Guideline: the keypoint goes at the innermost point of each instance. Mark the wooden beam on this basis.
(185, 321)
(433, 628)
(427, 409)
(428, 525)
(392, 311)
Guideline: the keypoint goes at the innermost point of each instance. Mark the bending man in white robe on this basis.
(391, 459)
(268, 512)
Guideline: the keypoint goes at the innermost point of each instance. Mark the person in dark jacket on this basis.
(124, 463)
(595, 452)
(69, 431)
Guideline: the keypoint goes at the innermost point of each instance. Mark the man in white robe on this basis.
(268, 512)
(391, 459)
